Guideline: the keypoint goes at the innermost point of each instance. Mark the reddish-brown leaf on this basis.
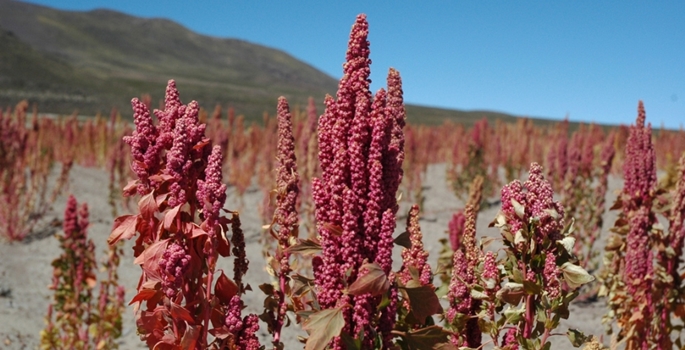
(149, 321)
(131, 188)
(220, 332)
(403, 240)
(225, 289)
(152, 254)
(305, 247)
(335, 230)
(170, 218)
(160, 177)
(160, 199)
(147, 205)
(224, 246)
(202, 143)
(423, 301)
(124, 228)
(194, 230)
(427, 338)
(165, 344)
(374, 282)
(144, 294)
(323, 326)
(179, 312)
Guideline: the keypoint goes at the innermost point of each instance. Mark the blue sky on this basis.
(589, 60)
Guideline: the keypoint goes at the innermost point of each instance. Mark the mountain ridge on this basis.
(95, 60)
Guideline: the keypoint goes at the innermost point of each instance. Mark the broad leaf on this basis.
(170, 217)
(224, 246)
(190, 337)
(423, 301)
(124, 228)
(575, 275)
(305, 247)
(191, 229)
(225, 289)
(179, 312)
(426, 338)
(518, 208)
(374, 282)
(152, 254)
(131, 188)
(322, 327)
(142, 295)
(403, 240)
(335, 230)
(577, 337)
(147, 205)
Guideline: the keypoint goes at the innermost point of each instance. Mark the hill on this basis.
(93, 61)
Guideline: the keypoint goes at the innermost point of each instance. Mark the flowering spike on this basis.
(355, 194)
(415, 257)
(639, 168)
(211, 191)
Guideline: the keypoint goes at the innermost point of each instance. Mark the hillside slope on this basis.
(93, 61)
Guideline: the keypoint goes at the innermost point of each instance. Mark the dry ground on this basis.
(25, 270)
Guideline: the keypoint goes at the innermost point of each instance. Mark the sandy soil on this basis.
(25, 270)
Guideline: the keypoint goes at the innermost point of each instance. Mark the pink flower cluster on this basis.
(244, 329)
(181, 177)
(212, 192)
(456, 229)
(360, 152)
(464, 262)
(415, 257)
(536, 198)
(639, 171)
(174, 263)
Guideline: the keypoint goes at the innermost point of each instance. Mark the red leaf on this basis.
(305, 247)
(201, 144)
(131, 188)
(149, 321)
(124, 227)
(190, 337)
(160, 177)
(428, 338)
(224, 246)
(220, 332)
(225, 289)
(160, 199)
(403, 240)
(147, 205)
(165, 344)
(144, 294)
(335, 230)
(178, 312)
(152, 253)
(170, 218)
(194, 230)
(423, 301)
(374, 282)
(323, 326)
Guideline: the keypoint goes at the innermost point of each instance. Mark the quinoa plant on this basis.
(456, 230)
(82, 321)
(284, 227)
(181, 234)
(642, 281)
(518, 299)
(360, 153)
(25, 164)
(583, 195)
(475, 165)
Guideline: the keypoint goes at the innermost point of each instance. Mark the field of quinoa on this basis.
(347, 228)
